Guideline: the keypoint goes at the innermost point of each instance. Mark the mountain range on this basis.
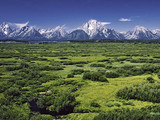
(93, 30)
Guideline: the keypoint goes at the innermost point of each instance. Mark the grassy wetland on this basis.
(80, 81)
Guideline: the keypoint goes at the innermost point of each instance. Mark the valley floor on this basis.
(80, 81)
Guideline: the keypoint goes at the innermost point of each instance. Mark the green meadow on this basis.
(80, 81)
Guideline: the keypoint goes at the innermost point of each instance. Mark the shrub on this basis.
(144, 91)
(150, 68)
(150, 80)
(80, 65)
(97, 65)
(95, 76)
(94, 104)
(62, 58)
(128, 103)
(77, 71)
(110, 104)
(158, 74)
(117, 104)
(55, 63)
(13, 67)
(47, 68)
(108, 66)
(128, 114)
(12, 91)
(15, 112)
(44, 117)
(73, 63)
(20, 82)
(70, 75)
(60, 102)
(102, 79)
(111, 75)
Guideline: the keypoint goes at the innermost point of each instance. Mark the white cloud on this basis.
(17, 25)
(105, 23)
(125, 19)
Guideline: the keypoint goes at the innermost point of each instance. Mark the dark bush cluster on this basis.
(111, 75)
(133, 70)
(97, 65)
(158, 74)
(70, 75)
(15, 112)
(47, 68)
(95, 76)
(17, 67)
(144, 60)
(59, 102)
(77, 71)
(150, 80)
(144, 91)
(94, 104)
(130, 114)
(74, 63)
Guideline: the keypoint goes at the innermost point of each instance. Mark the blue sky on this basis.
(73, 13)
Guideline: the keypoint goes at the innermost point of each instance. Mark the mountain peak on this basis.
(17, 25)
(156, 31)
(93, 27)
(92, 21)
(5, 28)
(140, 28)
(54, 33)
(3, 24)
(140, 32)
(58, 27)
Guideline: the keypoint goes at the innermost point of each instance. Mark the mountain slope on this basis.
(26, 33)
(57, 33)
(112, 34)
(77, 35)
(140, 32)
(156, 32)
(5, 29)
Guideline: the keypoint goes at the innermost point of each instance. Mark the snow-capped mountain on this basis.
(18, 31)
(156, 32)
(77, 35)
(112, 34)
(140, 32)
(26, 33)
(93, 29)
(53, 34)
(5, 29)
(98, 30)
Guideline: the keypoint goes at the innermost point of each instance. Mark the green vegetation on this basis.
(95, 76)
(80, 81)
(127, 114)
(141, 91)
